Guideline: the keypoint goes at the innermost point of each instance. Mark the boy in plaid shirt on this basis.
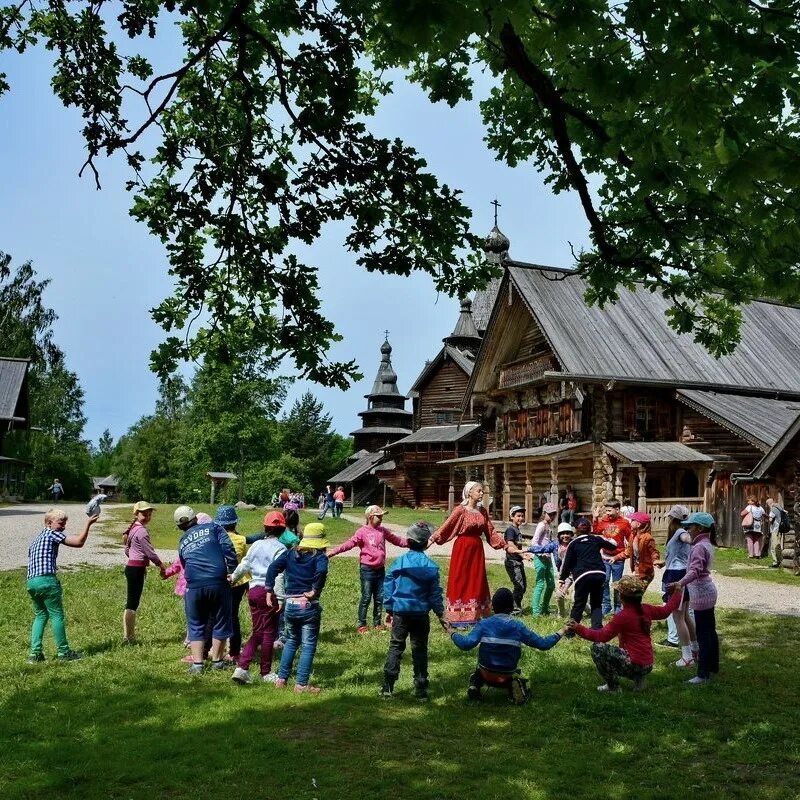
(44, 587)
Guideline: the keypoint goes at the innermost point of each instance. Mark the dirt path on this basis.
(20, 524)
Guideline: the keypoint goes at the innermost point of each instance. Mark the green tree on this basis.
(103, 454)
(674, 121)
(56, 448)
(306, 435)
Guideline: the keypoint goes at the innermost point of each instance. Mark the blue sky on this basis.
(107, 272)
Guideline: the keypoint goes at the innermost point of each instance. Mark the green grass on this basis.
(405, 516)
(130, 723)
(733, 562)
(164, 534)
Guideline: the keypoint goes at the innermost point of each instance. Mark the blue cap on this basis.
(700, 518)
(226, 515)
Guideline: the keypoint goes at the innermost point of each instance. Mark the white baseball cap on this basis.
(183, 514)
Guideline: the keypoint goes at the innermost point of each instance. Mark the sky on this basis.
(107, 272)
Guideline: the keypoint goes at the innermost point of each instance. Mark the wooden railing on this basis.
(527, 371)
(657, 508)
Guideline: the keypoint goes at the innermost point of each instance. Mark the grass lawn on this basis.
(130, 723)
(733, 562)
(405, 516)
(164, 534)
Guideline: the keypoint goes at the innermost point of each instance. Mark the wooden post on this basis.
(506, 490)
(554, 481)
(451, 491)
(213, 491)
(618, 483)
(528, 493)
(642, 504)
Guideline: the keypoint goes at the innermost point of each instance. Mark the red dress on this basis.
(468, 598)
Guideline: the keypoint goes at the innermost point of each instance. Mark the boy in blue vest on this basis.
(501, 638)
(411, 590)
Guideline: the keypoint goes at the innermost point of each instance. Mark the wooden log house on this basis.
(14, 416)
(613, 403)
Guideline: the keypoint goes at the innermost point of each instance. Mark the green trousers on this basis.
(545, 584)
(45, 592)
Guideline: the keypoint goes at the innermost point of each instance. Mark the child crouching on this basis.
(500, 639)
(411, 590)
(634, 657)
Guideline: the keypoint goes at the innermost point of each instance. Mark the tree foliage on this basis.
(56, 448)
(675, 121)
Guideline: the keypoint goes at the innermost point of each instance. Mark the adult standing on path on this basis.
(44, 587)
(753, 519)
(338, 501)
(543, 562)
(56, 490)
(468, 598)
(140, 553)
(208, 557)
(774, 542)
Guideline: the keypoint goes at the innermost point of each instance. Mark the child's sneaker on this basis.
(220, 665)
(271, 677)
(70, 655)
(519, 691)
(241, 676)
(640, 684)
(362, 629)
(682, 662)
(196, 669)
(299, 688)
(36, 658)
(473, 692)
(422, 691)
(387, 690)
(697, 681)
(611, 689)
(280, 683)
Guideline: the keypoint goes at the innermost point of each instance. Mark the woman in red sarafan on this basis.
(468, 598)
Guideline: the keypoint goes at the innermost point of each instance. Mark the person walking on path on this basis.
(56, 490)
(468, 598)
(543, 562)
(753, 520)
(371, 540)
(338, 501)
(702, 594)
(140, 554)
(774, 542)
(44, 587)
(329, 504)
(207, 557)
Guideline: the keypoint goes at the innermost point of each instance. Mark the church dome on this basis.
(496, 245)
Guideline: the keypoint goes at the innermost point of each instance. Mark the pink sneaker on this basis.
(307, 689)
(280, 683)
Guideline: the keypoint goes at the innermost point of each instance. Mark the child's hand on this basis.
(526, 556)
(91, 521)
(674, 587)
(312, 595)
(659, 564)
(565, 630)
(389, 619)
(570, 626)
(230, 579)
(270, 601)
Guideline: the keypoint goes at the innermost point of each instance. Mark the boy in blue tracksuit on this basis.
(501, 638)
(411, 590)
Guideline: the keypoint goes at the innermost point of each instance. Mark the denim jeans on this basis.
(371, 589)
(337, 509)
(326, 508)
(303, 628)
(613, 574)
(45, 592)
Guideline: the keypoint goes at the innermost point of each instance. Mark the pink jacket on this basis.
(372, 542)
(176, 568)
(139, 548)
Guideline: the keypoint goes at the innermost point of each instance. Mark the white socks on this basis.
(686, 652)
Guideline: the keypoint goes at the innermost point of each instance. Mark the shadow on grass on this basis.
(129, 722)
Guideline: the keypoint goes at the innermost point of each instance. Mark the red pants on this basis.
(265, 630)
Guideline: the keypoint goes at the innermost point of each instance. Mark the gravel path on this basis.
(19, 525)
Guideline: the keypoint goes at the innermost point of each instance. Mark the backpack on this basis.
(784, 526)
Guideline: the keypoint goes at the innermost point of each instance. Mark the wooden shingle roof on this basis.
(437, 434)
(630, 340)
(13, 395)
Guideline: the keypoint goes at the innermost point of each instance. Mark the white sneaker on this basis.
(241, 676)
(606, 688)
(682, 662)
(697, 681)
(270, 677)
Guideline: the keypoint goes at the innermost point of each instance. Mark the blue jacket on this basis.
(412, 586)
(306, 570)
(207, 555)
(501, 638)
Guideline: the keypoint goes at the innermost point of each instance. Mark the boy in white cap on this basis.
(207, 556)
(371, 539)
